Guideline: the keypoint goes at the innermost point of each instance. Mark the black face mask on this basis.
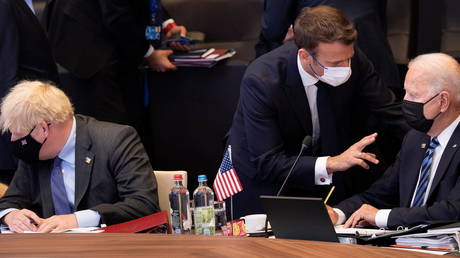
(26, 148)
(413, 113)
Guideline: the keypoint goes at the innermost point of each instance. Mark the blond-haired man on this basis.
(74, 171)
(424, 183)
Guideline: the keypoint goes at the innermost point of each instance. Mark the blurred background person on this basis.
(24, 54)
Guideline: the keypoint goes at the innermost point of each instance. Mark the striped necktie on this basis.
(424, 174)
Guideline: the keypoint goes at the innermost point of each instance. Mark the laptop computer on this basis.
(299, 218)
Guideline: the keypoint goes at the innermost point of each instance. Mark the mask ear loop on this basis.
(316, 61)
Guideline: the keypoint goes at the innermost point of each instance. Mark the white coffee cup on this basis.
(254, 222)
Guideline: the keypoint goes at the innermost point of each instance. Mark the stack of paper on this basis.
(201, 57)
(362, 232)
(437, 241)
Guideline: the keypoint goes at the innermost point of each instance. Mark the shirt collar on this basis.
(68, 151)
(445, 135)
(307, 79)
(31, 5)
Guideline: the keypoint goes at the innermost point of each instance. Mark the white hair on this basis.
(31, 102)
(442, 72)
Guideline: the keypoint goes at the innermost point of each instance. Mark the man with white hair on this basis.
(424, 183)
(74, 171)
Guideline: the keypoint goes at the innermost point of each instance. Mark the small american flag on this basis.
(227, 182)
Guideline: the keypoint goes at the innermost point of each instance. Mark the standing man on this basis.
(24, 54)
(315, 87)
(424, 183)
(368, 16)
(74, 171)
(102, 44)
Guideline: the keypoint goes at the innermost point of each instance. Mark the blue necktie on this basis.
(60, 200)
(424, 174)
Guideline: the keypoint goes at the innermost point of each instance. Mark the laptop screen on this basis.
(299, 218)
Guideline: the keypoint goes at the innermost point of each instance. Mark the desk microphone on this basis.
(306, 144)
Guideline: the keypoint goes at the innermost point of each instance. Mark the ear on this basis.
(305, 57)
(446, 98)
(43, 129)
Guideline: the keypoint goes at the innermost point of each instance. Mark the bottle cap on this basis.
(202, 178)
(177, 177)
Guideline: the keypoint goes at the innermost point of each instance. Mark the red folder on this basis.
(147, 224)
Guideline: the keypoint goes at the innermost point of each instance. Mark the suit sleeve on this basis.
(136, 184)
(264, 139)
(379, 98)
(19, 193)
(119, 17)
(9, 48)
(277, 17)
(447, 209)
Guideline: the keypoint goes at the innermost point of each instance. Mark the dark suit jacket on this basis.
(87, 35)
(273, 117)
(395, 189)
(24, 54)
(368, 17)
(118, 182)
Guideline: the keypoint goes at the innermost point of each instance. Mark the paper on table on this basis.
(361, 231)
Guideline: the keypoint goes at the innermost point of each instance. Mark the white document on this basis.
(361, 231)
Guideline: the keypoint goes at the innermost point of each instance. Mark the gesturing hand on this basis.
(353, 156)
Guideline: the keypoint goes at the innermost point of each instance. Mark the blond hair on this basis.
(31, 102)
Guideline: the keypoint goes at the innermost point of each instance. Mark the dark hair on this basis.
(322, 24)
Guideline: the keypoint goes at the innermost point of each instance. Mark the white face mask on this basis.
(333, 76)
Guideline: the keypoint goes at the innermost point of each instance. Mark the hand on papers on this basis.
(58, 223)
(364, 216)
(332, 214)
(22, 220)
(159, 62)
(353, 156)
(173, 32)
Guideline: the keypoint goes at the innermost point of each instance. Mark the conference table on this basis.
(158, 245)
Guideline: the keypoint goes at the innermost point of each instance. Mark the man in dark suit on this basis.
(424, 183)
(74, 171)
(368, 17)
(102, 44)
(312, 88)
(24, 54)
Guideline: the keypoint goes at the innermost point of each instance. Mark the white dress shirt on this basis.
(308, 81)
(30, 4)
(381, 218)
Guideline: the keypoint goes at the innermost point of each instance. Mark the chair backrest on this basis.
(164, 183)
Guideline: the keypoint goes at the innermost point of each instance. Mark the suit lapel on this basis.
(44, 172)
(296, 93)
(446, 158)
(412, 169)
(84, 160)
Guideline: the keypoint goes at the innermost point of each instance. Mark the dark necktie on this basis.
(60, 200)
(424, 174)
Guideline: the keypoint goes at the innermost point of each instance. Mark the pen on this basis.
(329, 194)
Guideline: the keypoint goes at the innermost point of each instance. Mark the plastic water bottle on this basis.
(203, 199)
(179, 200)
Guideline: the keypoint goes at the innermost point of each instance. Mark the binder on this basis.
(154, 223)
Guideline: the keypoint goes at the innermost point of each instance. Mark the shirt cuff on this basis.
(167, 22)
(381, 218)
(6, 211)
(342, 218)
(87, 218)
(321, 175)
(149, 51)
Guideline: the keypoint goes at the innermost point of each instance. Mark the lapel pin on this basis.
(87, 160)
(423, 146)
(454, 146)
